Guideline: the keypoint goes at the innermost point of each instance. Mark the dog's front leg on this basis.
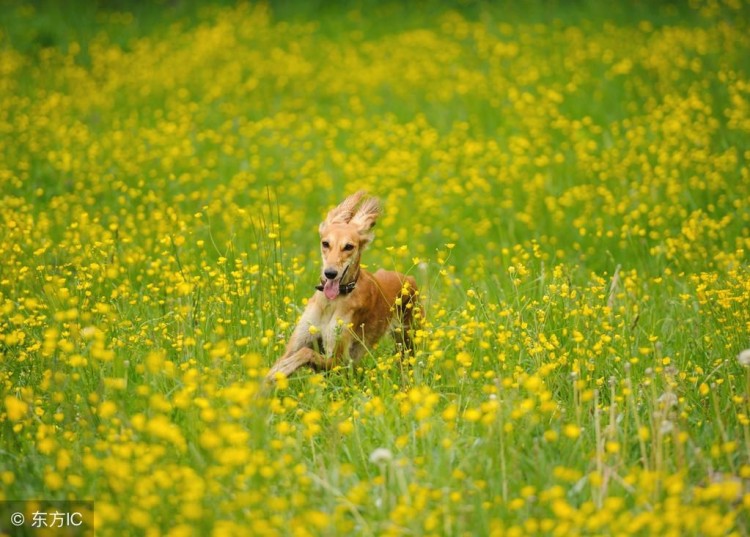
(300, 352)
(293, 359)
(289, 363)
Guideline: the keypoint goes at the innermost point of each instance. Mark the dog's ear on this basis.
(365, 218)
(343, 213)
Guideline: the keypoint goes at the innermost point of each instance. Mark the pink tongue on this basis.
(331, 289)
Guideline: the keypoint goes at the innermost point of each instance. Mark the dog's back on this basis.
(397, 301)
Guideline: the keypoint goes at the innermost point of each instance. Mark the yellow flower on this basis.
(53, 480)
(317, 519)
(450, 412)
(15, 408)
(345, 427)
(107, 409)
(472, 414)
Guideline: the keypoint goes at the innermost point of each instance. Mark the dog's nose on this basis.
(330, 273)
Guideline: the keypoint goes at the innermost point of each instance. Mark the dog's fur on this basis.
(352, 308)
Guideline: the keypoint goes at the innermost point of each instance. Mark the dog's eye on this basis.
(348, 247)
(325, 244)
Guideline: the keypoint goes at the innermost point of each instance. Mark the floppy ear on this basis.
(344, 212)
(365, 218)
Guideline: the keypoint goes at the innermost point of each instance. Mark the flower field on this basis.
(569, 184)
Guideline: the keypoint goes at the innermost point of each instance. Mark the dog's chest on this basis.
(329, 324)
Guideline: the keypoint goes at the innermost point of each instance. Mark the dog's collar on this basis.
(344, 289)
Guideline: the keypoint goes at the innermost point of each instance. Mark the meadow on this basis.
(568, 183)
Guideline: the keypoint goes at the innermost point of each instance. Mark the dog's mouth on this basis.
(331, 288)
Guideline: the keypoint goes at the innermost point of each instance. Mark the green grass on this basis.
(566, 181)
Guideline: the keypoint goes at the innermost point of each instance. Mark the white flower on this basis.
(666, 427)
(667, 400)
(381, 456)
(744, 358)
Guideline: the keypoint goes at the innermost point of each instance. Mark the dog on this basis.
(352, 308)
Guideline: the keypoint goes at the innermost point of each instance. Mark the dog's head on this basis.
(343, 235)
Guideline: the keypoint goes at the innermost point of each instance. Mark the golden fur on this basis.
(338, 325)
